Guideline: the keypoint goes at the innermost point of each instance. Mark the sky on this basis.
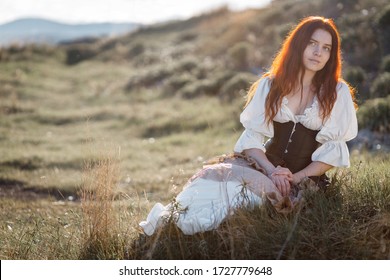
(139, 11)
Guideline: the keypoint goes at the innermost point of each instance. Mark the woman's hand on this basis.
(283, 171)
(298, 177)
(282, 177)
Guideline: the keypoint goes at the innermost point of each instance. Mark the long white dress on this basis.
(217, 190)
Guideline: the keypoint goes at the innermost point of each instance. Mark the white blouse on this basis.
(340, 127)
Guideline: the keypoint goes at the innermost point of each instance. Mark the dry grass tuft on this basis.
(99, 220)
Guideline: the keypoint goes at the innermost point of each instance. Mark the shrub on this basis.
(136, 50)
(186, 37)
(176, 82)
(161, 73)
(381, 86)
(78, 53)
(384, 17)
(145, 59)
(238, 55)
(383, 22)
(17, 52)
(236, 86)
(199, 87)
(150, 77)
(205, 85)
(187, 64)
(374, 115)
(356, 76)
(385, 65)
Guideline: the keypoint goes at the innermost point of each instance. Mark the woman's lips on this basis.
(315, 61)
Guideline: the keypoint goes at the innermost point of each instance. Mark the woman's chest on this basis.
(310, 116)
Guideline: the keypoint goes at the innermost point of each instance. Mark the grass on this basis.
(83, 159)
(350, 220)
(141, 149)
(55, 128)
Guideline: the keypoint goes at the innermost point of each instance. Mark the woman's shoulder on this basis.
(345, 94)
(344, 91)
(267, 79)
(343, 88)
(264, 83)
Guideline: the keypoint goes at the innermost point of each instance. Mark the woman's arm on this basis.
(280, 176)
(316, 168)
(259, 156)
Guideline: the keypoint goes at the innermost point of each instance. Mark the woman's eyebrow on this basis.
(314, 40)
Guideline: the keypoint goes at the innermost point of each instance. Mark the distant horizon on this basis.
(115, 11)
(66, 23)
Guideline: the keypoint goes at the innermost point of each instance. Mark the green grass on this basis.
(348, 221)
(53, 126)
(158, 143)
(67, 122)
(61, 126)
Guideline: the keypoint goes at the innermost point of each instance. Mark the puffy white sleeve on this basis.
(253, 120)
(340, 127)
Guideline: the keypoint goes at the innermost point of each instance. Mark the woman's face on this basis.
(317, 52)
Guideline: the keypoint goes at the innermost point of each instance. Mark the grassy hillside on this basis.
(127, 121)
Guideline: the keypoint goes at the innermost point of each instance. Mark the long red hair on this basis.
(288, 64)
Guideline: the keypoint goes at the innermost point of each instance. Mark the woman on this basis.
(305, 110)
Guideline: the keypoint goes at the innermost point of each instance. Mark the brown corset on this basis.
(292, 146)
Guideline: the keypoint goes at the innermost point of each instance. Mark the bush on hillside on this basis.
(381, 86)
(385, 65)
(145, 59)
(356, 77)
(186, 37)
(186, 64)
(384, 17)
(174, 76)
(239, 55)
(17, 52)
(383, 22)
(374, 115)
(209, 84)
(237, 86)
(176, 82)
(199, 88)
(359, 42)
(77, 53)
(136, 50)
(151, 77)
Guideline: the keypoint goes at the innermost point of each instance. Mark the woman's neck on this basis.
(307, 79)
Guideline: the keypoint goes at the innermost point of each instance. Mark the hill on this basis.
(36, 30)
(247, 41)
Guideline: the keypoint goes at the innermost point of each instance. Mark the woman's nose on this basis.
(317, 51)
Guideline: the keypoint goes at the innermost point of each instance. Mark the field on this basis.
(60, 120)
(87, 148)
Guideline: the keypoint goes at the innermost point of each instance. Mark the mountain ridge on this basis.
(40, 30)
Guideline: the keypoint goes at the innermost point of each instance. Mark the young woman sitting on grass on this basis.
(307, 112)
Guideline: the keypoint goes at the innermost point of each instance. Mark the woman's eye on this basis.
(327, 49)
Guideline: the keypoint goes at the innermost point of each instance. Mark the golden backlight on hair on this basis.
(287, 69)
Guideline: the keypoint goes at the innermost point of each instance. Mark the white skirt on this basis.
(210, 196)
